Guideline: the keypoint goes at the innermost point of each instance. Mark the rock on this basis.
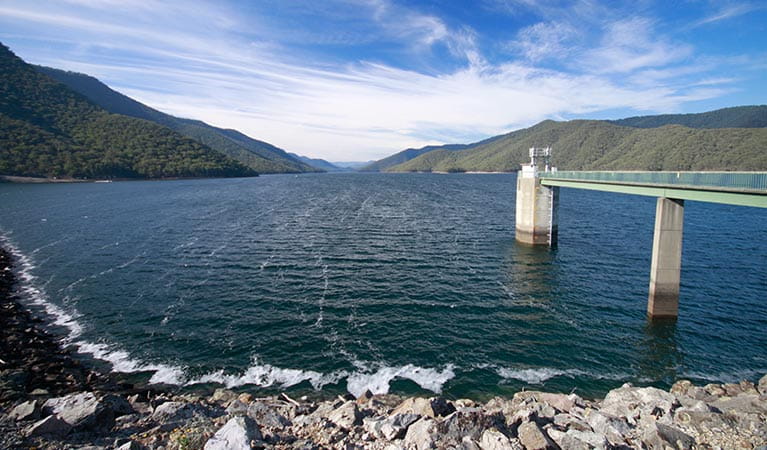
(223, 396)
(119, 405)
(658, 435)
(743, 403)
(613, 428)
(635, 404)
(493, 439)
(266, 416)
(50, 426)
(568, 441)
(237, 434)
(237, 408)
(346, 415)
(390, 428)
(568, 421)
(83, 411)
(174, 412)
(762, 386)
(25, 411)
(130, 445)
(533, 437)
(431, 407)
(245, 397)
(471, 423)
(421, 434)
(561, 402)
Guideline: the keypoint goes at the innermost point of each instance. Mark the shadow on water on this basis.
(659, 357)
(531, 272)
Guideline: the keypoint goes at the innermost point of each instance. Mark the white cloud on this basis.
(363, 110)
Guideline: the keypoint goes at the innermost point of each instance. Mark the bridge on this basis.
(538, 199)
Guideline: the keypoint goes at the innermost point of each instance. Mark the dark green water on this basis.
(408, 283)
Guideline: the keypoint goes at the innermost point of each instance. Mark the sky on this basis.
(358, 80)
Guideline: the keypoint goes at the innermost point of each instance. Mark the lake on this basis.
(402, 283)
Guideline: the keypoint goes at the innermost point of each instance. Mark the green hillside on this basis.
(599, 145)
(407, 155)
(258, 155)
(736, 117)
(48, 130)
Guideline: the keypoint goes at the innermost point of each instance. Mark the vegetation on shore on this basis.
(727, 139)
(48, 130)
(258, 155)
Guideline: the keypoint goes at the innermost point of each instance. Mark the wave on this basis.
(258, 374)
(539, 375)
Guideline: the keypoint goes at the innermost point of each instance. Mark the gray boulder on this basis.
(50, 426)
(762, 386)
(83, 411)
(615, 429)
(174, 411)
(533, 437)
(636, 404)
(346, 416)
(266, 415)
(493, 439)
(25, 411)
(390, 428)
(119, 405)
(421, 435)
(431, 407)
(236, 434)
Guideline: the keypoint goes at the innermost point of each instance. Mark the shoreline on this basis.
(50, 399)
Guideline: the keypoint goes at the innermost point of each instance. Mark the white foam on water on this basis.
(122, 362)
(364, 378)
(266, 375)
(540, 374)
(378, 382)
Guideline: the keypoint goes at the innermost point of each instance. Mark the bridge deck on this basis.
(736, 188)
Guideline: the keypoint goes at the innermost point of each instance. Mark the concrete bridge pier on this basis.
(663, 301)
(536, 210)
(536, 216)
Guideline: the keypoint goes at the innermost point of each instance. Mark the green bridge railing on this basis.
(735, 181)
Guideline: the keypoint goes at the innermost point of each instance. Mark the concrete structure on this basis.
(536, 214)
(671, 189)
(666, 266)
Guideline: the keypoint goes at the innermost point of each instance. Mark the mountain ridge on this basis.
(259, 155)
(602, 145)
(49, 130)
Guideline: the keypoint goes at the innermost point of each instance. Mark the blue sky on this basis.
(354, 80)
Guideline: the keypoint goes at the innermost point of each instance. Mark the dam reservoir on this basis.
(404, 283)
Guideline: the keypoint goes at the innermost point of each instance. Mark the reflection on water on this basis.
(530, 272)
(659, 357)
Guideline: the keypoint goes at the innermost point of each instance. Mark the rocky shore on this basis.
(50, 400)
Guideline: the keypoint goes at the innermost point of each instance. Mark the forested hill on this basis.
(258, 155)
(600, 145)
(48, 130)
(736, 117)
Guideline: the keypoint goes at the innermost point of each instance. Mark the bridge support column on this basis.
(663, 301)
(536, 215)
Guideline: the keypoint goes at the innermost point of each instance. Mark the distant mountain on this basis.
(407, 155)
(319, 164)
(353, 165)
(49, 130)
(260, 156)
(736, 117)
(601, 145)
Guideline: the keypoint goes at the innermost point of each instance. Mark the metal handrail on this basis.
(750, 181)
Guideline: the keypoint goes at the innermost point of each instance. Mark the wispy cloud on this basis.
(248, 70)
(727, 12)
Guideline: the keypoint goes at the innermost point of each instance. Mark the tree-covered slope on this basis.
(407, 155)
(48, 130)
(258, 155)
(735, 117)
(599, 145)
